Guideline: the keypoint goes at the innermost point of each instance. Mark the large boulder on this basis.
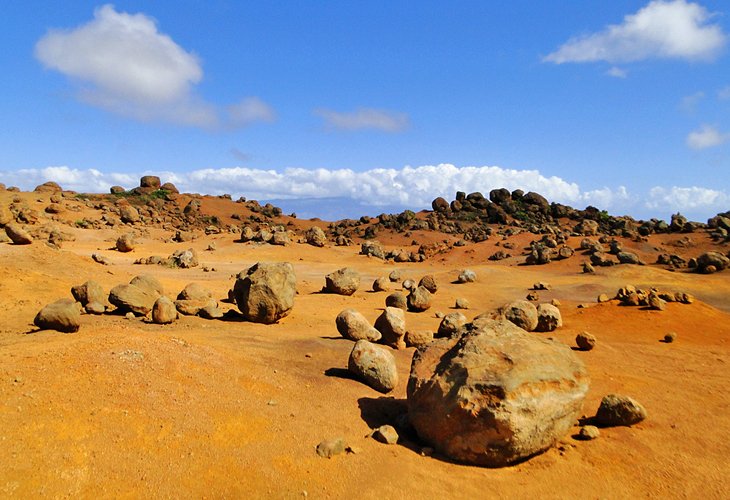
(126, 243)
(62, 315)
(440, 205)
(132, 298)
(344, 281)
(392, 325)
(429, 282)
(495, 395)
(587, 227)
(149, 283)
(151, 182)
(128, 214)
(18, 235)
(265, 292)
(315, 236)
(194, 291)
(707, 263)
(374, 365)
(354, 326)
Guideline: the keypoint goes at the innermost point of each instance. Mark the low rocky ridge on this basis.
(468, 219)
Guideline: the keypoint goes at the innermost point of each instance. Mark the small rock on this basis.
(461, 303)
(670, 337)
(386, 434)
(394, 276)
(522, 314)
(381, 284)
(95, 308)
(451, 324)
(419, 299)
(616, 410)
(588, 268)
(602, 298)
(548, 318)
(467, 276)
(344, 281)
(331, 447)
(211, 311)
(392, 325)
(585, 341)
(589, 432)
(409, 284)
(533, 296)
(429, 283)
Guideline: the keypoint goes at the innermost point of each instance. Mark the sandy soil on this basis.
(229, 409)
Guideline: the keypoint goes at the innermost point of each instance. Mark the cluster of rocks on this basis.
(264, 293)
(543, 317)
(652, 298)
(183, 259)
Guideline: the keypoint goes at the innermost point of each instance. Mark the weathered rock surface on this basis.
(495, 395)
(125, 243)
(194, 291)
(315, 236)
(429, 283)
(374, 365)
(344, 281)
(265, 292)
(396, 299)
(467, 276)
(62, 315)
(354, 326)
(585, 341)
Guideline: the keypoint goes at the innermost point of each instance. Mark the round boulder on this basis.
(467, 276)
(315, 236)
(429, 282)
(354, 326)
(374, 365)
(132, 298)
(125, 243)
(62, 315)
(396, 299)
(523, 314)
(265, 292)
(419, 299)
(381, 284)
(585, 341)
(344, 281)
(91, 291)
(496, 395)
(163, 311)
(548, 318)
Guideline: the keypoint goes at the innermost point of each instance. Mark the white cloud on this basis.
(386, 189)
(689, 103)
(617, 72)
(365, 118)
(688, 199)
(674, 29)
(123, 64)
(707, 137)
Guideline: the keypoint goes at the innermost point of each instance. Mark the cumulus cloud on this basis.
(674, 29)
(688, 199)
(707, 137)
(386, 189)
(122, 63)
(365, 118)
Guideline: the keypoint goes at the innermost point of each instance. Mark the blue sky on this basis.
(373, 105)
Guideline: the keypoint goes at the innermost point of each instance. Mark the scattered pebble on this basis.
(670, 337)
(589, 432)
(331, 447)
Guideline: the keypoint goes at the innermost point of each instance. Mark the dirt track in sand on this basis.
(233, 409)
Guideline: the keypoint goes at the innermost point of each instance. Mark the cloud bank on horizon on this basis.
(407, 188)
